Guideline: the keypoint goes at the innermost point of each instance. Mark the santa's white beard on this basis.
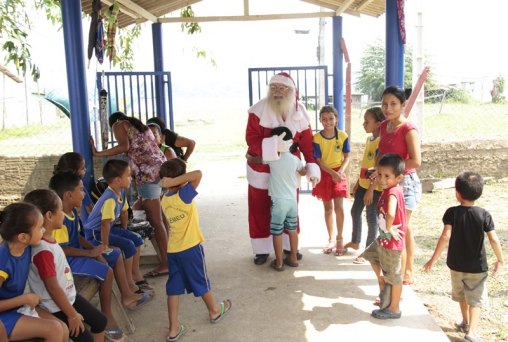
(281, 105)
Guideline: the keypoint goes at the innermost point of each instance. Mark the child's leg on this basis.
(173, 304)
(127, 290)
(277, 247)
(339, 216)
(136, 272)
(407, 267)
(395, 298)
(293, 241)
(474, 318)
(328, 207)
(464, 310)
(154, 214)
(356, 218)
(3, 333)
(127, 241)
(50, 330)
(379, 275)
(372, 218)
(93, 317)
(105, 292)
(46, 315)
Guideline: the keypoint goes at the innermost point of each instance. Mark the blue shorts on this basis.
(119, 237)
(187, 272)
(412, 190)
(9, 318)
(283, 214)
(149, 191)
(89, 267)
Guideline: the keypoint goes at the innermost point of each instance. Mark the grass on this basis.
(32, 130)
(434, 288)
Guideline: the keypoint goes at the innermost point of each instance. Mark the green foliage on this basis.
(371, 80)
(126, 52)
(191, 28)
(497, 90)
(458, 95)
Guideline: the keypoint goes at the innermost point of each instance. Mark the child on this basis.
(366, 193)
(87, 260)
(282, 188)
(73, 161)
(187, 269)
(384, 254)
(21, 227)
(331, 150)
(464, 232)
(51, 278)
(169, 153)
(102, 227)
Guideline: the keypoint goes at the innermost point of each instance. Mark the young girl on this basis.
(331, 150)
(365, 191)
(20, 228)
(73, 161)
(51, 278)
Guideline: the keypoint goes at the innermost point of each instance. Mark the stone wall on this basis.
(439, 160)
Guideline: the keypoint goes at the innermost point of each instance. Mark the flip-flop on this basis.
(155, 274)
(177, 336)
(223, 311)
(145, 298)
(289, 263)
(273, 265)
(110, 333)
(386, 314)
(359, 260)
(143, 285)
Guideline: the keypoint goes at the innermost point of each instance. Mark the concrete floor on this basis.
(326, 298)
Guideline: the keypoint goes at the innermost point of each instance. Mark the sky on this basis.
(461, 38)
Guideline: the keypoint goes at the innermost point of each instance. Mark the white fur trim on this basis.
(297, 121)
(269, 149)
(281, 79)
(262, 245)
(256, 179)
(313, 171)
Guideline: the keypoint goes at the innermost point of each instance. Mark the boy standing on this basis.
(384, 254)
(102, 227)
(464, 231)
(282, 188)
(186, 259)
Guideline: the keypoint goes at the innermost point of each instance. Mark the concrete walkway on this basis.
(326, 298)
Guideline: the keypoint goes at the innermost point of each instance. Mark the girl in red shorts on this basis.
(331, 150)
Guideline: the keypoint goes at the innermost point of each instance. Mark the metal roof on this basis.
(163, 11)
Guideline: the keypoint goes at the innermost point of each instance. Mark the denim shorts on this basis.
(412, 190)
(149, 191)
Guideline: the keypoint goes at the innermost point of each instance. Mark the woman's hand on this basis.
(92, 144)
(368, 197)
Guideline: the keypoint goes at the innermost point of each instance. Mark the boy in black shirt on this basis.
(464, 228)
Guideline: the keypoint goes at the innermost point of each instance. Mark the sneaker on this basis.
(471, 338)
(462, 326)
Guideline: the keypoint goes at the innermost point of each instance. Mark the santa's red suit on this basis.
(260, 123)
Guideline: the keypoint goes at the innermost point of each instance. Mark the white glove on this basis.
(283, 145)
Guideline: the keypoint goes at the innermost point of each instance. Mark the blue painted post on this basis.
(338, 70)
(158, 65)
(76, 83)
(394, 48)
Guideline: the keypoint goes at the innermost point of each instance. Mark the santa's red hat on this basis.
(285, 79)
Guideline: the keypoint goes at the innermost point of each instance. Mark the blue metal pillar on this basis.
(338, 71)
(158, 65)
(76, 83)
(394, 48)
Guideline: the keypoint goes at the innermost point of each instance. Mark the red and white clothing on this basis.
(385, 238)
(262, 119)
(48, 260)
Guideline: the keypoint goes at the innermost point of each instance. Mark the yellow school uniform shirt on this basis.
(368, 162)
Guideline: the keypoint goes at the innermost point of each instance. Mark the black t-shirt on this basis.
(466, 250)
(171, 140)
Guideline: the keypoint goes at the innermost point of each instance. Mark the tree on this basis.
(371, 79)
(497, 90)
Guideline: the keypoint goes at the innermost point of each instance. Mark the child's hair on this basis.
(162, 127)
(376, 113)
(157, 127)
(469, 185)
(328, 109)
(114, 168)
(173, 168)
(141, 127)
(401, 94)
(61, 182)
(394, 161)
(44, 199)
(70, 161)
(289, 136)
(17, 218)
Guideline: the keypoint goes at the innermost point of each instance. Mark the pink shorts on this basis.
(327, 189)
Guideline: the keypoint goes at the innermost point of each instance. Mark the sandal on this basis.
(223, 311)
(359, 260)
(386, 314)
(273, 265)
(328, 248)
(175, 338)
(114, 335)
(339, 248)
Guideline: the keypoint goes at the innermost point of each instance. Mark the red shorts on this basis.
(327, 189)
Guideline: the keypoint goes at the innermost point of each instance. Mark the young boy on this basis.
(87, 260)
(464, 231)
(102, 227)
(186, 260)
(282, 188)
(384, 254)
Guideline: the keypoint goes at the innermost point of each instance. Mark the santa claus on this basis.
(279, 108)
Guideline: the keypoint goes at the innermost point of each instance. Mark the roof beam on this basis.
(246, 7)
(177, 5)
(249, 17)
(363, 4)
(138, 9)
(342, 8)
